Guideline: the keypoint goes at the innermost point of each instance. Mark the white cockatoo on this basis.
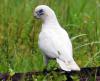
(53, 40)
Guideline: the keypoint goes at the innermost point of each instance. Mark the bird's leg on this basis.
(46, 60)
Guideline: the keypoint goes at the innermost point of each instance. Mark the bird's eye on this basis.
(40, 12)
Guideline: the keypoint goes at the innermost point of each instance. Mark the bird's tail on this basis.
(63, 65)
(74, 66)
(68, 66)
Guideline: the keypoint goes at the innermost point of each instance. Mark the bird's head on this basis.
(43, 12)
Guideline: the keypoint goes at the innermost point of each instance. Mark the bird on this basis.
(53, 40)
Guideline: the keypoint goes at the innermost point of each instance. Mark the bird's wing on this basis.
(56, 42)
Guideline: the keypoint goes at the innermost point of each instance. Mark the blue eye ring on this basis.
(40, 12)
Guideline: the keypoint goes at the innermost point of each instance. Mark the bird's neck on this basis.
(51, 20)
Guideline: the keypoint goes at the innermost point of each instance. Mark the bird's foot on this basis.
(45, 71)
(68, 75)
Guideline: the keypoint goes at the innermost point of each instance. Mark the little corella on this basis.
(53, 40)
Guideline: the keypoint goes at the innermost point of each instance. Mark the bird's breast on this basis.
(46, 45)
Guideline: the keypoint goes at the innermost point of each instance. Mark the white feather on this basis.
(54, 40)
(63, 65)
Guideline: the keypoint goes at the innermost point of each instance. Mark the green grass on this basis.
(19, 32)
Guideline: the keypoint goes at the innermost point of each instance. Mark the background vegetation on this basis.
(19, 33)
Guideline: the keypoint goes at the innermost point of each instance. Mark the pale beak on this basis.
(36, 15)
